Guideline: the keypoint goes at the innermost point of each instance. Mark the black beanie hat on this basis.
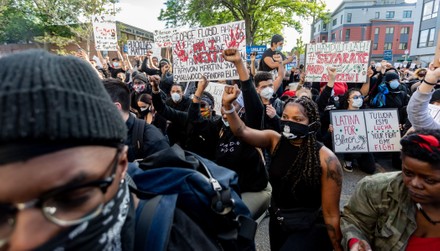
(141, 77)
(56, 100)
(391, 76)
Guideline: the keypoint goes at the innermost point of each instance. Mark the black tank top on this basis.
(305, 195)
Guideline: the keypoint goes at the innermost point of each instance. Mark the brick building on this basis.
(387, 23)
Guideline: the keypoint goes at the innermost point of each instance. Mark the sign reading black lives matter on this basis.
(365, 130)
(138, 47)
(198, 51)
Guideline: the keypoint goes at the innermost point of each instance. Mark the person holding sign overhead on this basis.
(305, 175)
(398, 210)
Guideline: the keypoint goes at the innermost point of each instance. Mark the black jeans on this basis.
(315, 239)
(365, 161)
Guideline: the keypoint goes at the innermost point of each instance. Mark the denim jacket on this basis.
(381, 212)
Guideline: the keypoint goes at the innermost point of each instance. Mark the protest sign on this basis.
(104, 31)
(434, 111)
(216, 90)
(351, 60)
(162, 38)
(349, 134)
(259, 49)
(365, 130)
(383, 130)
(197, 52)
(138, 47)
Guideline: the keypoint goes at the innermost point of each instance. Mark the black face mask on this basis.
(293, 130)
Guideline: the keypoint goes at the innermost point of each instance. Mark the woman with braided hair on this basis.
(399, 210)
(305, 175)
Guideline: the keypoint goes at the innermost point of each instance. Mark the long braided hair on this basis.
(306, 167)
(423, 145)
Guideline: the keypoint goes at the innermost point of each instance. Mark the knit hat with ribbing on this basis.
(47, 99)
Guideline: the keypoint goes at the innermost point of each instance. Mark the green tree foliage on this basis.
(263, 18)
(58, 22)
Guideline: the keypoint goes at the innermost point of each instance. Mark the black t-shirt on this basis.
(268, 53)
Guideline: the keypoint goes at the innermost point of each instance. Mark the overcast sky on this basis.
(143, 14)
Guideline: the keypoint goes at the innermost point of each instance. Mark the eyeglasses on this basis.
(357, 97)
(67, 206)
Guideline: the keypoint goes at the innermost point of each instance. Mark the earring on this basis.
(122, 181)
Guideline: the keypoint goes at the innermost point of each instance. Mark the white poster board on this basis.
(434, 111)
(369, 130)
(138, 47)
(383, 130)
(216, 90)
(198, 51)
(351, 60)
(104, 31)
(163, 38)
(349, 132)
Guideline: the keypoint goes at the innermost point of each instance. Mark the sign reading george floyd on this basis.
(351, 60)
(104, 31)
(198, 51)
(365, 131)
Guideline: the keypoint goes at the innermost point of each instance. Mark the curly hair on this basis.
(423, 145)
(306, 166)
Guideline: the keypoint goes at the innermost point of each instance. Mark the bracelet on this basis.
(426, 82)
(197, 97)
(228, 111)
(155, 92)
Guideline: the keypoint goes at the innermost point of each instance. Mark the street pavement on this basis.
(383, 164)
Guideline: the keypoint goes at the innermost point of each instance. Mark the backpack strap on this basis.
(138, 137)
(154, 220)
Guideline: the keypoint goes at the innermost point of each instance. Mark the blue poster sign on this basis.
(259, 49)
(388, 55)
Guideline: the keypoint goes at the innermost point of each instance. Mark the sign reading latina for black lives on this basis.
(365, 130)
(198, 51)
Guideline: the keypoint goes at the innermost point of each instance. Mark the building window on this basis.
(389, 14)
(323, 39)
(375, 46)
(335, 21)
(407, 14)
(342, 19)
(404, 30)
(426, 38)
(430, 9)
(388, 46)
(403, 46)
(377, 15)
(389, 30)
(324, 27)
(376, 31)
(348, 17)
(333, 37)
(347, 35)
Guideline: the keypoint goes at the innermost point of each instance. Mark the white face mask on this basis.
(357, 103)
(267, 92)
(175, 97)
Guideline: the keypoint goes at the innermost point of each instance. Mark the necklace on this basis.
(426, 215)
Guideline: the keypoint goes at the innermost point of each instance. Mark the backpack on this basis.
(173, 181)
(380, 99)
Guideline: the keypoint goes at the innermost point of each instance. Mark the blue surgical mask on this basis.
(279, 48)
(394, 84)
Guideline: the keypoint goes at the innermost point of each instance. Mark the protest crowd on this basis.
(135, 153)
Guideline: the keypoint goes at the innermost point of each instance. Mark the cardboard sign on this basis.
(383, 130)
(259, 49)
(434, 111)
(216, 90)
(198, 51)
(351, 60)
(104, 31)
(163, 38)
(364, 131)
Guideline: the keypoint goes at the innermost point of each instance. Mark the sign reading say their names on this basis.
(366, 130)
(351, 60)
(216, 90)
(198, 51)
(104, 31)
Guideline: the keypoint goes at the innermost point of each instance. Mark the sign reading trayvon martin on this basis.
(198, 51)
(351, 60)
